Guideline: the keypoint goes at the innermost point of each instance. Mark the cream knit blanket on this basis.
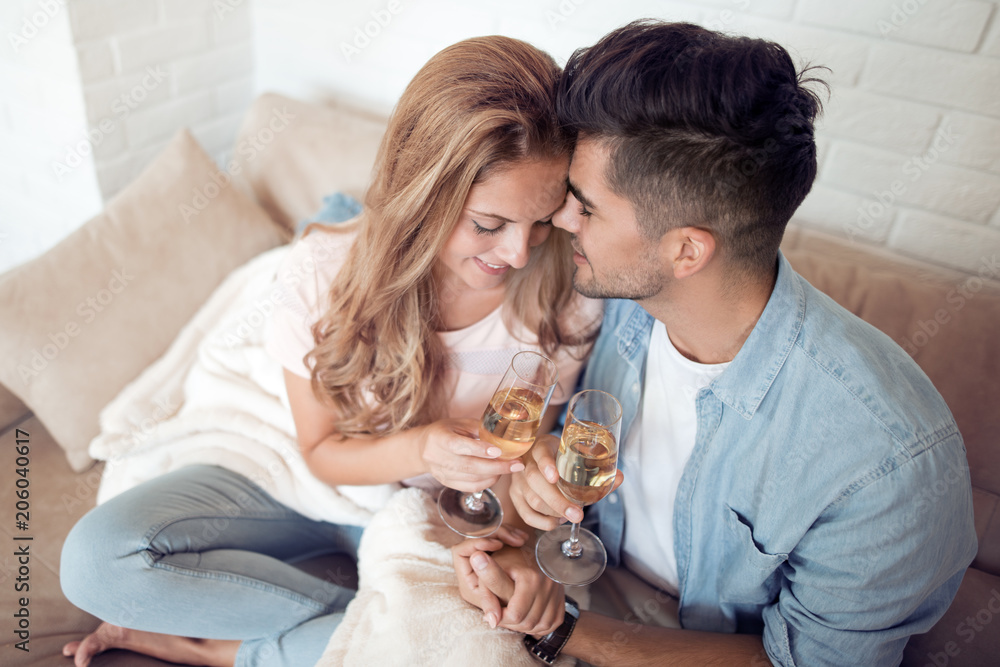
(408, 611)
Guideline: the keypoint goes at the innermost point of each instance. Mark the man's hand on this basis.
(453, 455)
(534, 493)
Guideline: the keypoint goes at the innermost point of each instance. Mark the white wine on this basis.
(511, 421)
(586, 461)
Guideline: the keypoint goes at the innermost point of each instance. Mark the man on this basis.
(772, 444)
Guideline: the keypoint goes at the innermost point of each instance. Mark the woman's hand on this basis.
(453, 455)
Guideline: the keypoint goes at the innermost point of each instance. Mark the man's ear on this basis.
(689, 250)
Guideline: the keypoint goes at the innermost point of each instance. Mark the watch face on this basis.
(572, 607)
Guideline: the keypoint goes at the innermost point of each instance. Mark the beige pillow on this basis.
(84, 319)
(293, 153)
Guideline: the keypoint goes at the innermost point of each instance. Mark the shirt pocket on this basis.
(749, 574)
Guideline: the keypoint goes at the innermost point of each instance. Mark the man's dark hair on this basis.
(704, 130)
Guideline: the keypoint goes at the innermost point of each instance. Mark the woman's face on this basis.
(504, 216)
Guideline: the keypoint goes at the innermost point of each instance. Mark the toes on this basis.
(84, 650)
(69, 650)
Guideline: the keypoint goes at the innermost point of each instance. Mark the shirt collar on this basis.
(746, 382)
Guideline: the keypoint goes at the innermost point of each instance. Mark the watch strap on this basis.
(548, 648)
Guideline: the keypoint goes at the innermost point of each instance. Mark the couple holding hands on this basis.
(767, 436)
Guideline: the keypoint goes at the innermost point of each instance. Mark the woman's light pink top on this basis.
(478, 354)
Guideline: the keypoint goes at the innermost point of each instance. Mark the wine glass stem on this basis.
(571, 548)
(474, 501)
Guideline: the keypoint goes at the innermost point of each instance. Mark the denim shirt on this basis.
(826, 503)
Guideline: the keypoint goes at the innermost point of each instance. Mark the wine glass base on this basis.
(454, 508)
(562, 569)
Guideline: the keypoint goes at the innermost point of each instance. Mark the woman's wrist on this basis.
(365, 461)
(416, 454)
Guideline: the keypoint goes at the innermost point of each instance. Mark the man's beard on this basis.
(642, 280)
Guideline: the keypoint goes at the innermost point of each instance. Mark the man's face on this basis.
(613, 259)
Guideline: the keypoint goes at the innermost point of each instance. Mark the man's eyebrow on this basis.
(575, 191)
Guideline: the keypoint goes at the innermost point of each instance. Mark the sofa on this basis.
(83, 320)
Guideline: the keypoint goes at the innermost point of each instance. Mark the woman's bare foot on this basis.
(187, 651)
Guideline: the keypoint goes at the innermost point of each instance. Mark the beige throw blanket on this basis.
(217, 397)
(408, 611)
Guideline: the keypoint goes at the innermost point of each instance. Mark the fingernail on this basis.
(491, 619)
(551, 475)
(575, 514)
(494, 451)
(478, 561)
(517, 466)
(563, 520)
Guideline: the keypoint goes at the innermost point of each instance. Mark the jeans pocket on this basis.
(750, 575)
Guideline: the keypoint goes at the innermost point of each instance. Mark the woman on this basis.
(392, 344)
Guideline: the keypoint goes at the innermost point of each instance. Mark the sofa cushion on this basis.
(291, 154)
(12, 409)
(88, 316)
(949, 327)
(966, 636)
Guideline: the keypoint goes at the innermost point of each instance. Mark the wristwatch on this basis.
(547, 648)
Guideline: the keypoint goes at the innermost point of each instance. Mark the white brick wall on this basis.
(41, 113)
(904, 74)
(173, 62)
(105, 85)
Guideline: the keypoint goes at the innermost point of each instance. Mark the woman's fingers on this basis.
(462, 462)
(514, 537)
(466, 548)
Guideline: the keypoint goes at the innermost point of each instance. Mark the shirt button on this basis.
(613, 498)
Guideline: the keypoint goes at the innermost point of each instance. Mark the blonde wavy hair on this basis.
(477, 107)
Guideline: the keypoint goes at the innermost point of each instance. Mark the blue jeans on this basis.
(203, 552)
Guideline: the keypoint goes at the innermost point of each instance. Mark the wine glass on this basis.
(587, 462)
(509, 422)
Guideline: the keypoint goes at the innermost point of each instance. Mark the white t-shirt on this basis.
(478, 355)
(658, 446)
